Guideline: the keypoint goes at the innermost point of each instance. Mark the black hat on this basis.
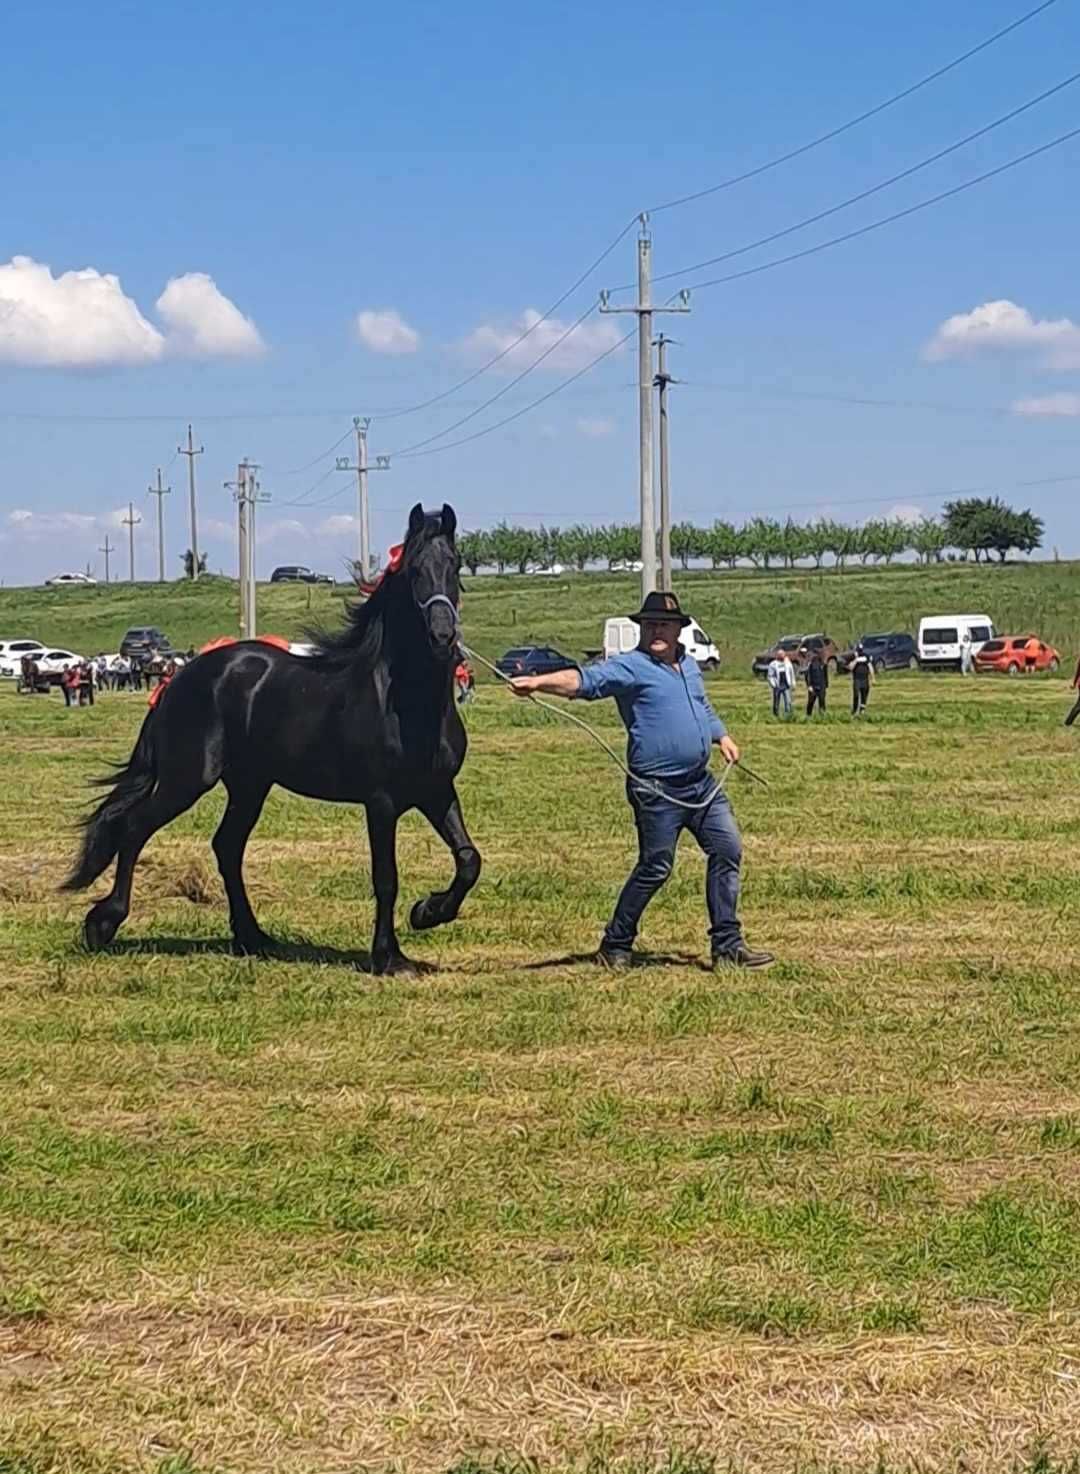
(661, 606)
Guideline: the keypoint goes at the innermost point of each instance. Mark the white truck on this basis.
(623, 634)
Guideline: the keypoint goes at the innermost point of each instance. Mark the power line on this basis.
(320, 457)
(301, 500)
(889, 219)
(446, 393)
(854, 122)
(873, 189)
(513, 383)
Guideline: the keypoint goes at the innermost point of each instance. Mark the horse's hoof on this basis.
(257, 944)
(400, 966)
(98, 932)
(420, 917)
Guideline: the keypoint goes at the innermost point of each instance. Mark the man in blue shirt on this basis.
(671, 730)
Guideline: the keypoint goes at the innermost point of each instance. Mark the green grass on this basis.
(286, 1216)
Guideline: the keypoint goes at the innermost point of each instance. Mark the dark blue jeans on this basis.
(659, 825)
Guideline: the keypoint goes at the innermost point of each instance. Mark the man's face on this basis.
(660, 637)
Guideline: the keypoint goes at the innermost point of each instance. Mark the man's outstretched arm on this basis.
(558, 683)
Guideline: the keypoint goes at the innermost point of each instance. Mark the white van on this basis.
(623, 634)
(941, 635)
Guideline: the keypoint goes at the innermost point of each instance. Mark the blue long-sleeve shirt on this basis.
(670, 724)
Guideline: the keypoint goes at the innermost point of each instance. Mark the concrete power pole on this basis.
(161, 492)
(131, 521)
(644, 309)
(191, 453)
(663, 380)
(245, 491)
(363, 507)
(108, 549)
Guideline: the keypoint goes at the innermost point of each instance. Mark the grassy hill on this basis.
(742, 611)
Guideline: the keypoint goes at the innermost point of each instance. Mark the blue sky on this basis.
(256, 177)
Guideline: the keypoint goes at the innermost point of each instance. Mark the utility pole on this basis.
(663, 380)
(191, 453)
(161, 492)
(246, 493)
(644, 309)
(131, 521)
(363, 508)
(108, 550)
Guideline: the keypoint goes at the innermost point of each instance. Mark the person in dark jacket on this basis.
(862, 675)
(817, 683)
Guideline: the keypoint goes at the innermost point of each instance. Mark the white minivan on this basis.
(623, 634)
(941, 637)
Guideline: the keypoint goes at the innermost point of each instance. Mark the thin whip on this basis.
(649, 784)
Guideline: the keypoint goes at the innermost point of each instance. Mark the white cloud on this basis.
(1005, 327)
(335, 526)
(33, 525)
(566, 348)
(284, 527)
(386, 331)
(1066, 405)
(203, 323)
(217, 528)
(596, 429)
(906, 512)
(81, 319)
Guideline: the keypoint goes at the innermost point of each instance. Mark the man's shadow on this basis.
(641, 959)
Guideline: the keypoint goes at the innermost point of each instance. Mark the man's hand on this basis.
(729, 749)
(524, 685)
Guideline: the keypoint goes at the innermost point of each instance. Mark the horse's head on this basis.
(432, 566)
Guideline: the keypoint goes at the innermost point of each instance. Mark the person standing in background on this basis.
(817, 683)
(966, 660)
(1076, 687)
(781, 678)
(862, 676)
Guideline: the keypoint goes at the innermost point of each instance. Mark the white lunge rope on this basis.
(649, 784)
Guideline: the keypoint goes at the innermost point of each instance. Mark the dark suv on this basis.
(297, 573)
(142, 639)
(887, 652)
(533, 660)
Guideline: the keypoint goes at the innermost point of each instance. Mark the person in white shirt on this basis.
(781, 678)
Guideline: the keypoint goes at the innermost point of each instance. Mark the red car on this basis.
(1015, 653)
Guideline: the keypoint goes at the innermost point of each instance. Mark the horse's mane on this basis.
(360, 642)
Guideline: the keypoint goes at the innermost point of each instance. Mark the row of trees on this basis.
(978, 525)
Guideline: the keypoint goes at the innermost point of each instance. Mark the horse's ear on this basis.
(416, 519)
(449, 521)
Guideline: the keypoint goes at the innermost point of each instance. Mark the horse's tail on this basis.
(103, 829)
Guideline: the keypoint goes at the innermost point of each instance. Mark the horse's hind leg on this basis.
(444, 814)
(105, 918)
(241, 816)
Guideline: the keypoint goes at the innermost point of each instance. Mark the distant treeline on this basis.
(979, 525)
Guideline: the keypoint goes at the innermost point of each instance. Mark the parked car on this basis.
(1013, 653)
(53, 663)
(70, 580)
(793, 646)
(887, 652)
(11, 654)
(533, 660)
(297, 573)
(142, 638)
(553, 572)
(941, 637)
(622, 634)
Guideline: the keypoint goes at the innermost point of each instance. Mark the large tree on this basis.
(987, 524)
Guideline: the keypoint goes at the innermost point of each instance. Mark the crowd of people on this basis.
(80, 681)
(781, 674)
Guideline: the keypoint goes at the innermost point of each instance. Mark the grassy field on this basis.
(282, 1216)
(743, 612)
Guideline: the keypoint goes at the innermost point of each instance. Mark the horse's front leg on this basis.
(443, 811)
(382, 821)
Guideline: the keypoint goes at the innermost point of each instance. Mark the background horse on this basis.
(369, 718)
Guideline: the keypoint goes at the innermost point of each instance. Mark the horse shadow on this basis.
(356, 959)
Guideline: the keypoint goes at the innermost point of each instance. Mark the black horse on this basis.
(370, 718)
